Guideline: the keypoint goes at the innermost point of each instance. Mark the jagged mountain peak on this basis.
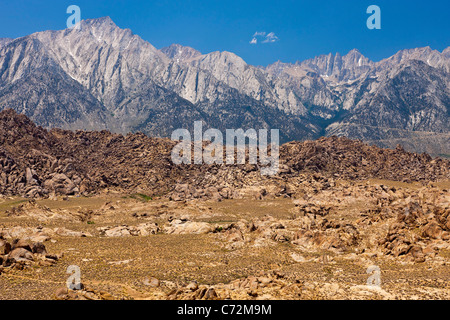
(101, 30)
(278, 67)
(426, 54)
(354, 53)
(337, 68)
(130, 85)
(180, 53)
(105, 29)
(75, 48)
(356, 59)
(223, 58)
(100, 22)
(415, 52)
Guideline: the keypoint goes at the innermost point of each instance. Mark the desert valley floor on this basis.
(316, 247)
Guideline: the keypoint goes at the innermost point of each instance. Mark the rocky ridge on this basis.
(38, 163)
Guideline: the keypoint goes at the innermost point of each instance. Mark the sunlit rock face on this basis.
(105, 77)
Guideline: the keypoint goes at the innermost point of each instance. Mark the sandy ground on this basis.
(157, 266)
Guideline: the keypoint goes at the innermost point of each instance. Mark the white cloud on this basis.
(257, 34)
(265, 37)
(271, 37)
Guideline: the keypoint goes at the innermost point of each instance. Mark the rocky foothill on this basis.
(38, 163)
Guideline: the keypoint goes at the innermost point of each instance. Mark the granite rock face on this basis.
(105, 77)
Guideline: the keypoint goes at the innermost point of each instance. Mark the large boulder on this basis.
(188, 227)
(20, 254)
(61, 184)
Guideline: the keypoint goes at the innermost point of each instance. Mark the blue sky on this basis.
(302, 29)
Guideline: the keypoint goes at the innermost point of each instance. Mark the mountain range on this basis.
(104, 77)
